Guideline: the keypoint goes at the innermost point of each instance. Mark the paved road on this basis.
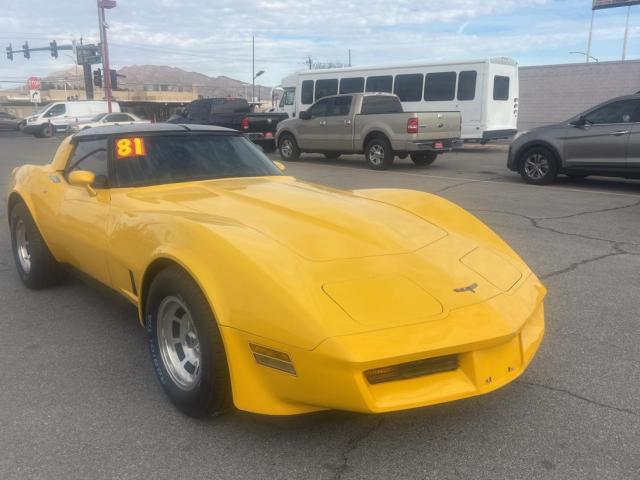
(79, 400)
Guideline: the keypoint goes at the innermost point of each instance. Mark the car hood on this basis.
(317, 223)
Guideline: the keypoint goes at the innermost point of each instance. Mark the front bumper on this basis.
(494, 341)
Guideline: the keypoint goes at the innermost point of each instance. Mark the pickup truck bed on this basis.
(369, 123)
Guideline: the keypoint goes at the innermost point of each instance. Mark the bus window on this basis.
(352, 85)
(467, 85)
(324, 88)
(409, 87)
(287, 97)
(500, 88)
(307, 92)
(383, 83)
(440, 87)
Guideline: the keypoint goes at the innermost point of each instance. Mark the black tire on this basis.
(332, 155)
(43, 270)
(210, 394)
(46, 131)
(288, 148)
(424, 158)
(269, 147)
(538, 166)
(378, 153)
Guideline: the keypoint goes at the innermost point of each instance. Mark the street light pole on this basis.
(253, 67)
(102, 5)
(626, 35)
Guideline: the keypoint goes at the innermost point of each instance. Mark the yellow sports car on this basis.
(271, 294)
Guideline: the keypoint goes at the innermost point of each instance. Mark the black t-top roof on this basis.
(142, 128)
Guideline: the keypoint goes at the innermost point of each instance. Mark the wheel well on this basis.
(14, 199)
(284, 134)
(546, 146)
(150, 273)
(371, 135)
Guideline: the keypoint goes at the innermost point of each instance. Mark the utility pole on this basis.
(102, 5)
(253, 68)
(593, 12)
(626, 35)
(349, 57)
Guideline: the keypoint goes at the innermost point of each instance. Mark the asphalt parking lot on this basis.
(79, 399)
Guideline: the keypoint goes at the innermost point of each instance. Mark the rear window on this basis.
(352, 85)
(440, 87)
(467, 85)
(375, 104)
(324, 88)
(383, 83)
(306, 94)
(500, 88)
(409, 87)
(155, 159)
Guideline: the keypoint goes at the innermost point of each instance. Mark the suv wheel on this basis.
(379, 154)
(538, 166)
(288, 148)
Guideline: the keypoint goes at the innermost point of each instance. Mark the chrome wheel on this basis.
(376, 154)
(179, 343)
(536, 166)
(23, 247)
(286, 148)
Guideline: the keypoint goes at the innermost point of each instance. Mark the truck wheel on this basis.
(423, 159)
(185, 345)
(379, 154)
(332, 155)
(538, 166)
(288, 147)
(35, 263)
(46, 131)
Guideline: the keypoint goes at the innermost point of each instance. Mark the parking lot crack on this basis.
(579, 397)
(602, 210)
(455, 185)
(352, 444)
(586, 261)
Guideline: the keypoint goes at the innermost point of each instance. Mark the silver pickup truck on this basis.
(369, 123)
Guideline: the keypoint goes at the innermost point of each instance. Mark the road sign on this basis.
(34, 83)
(88, 54)
(34, 96)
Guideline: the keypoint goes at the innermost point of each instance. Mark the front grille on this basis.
(419, 368)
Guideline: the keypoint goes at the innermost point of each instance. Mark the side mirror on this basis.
(280, 165)
(580, 122)
(306, 115)
(83, 178)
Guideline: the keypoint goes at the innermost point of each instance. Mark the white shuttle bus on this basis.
(485, 92)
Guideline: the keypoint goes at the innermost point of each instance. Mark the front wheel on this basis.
(185, 345)
(538, 166)
(379, 154)
(424, 158)
(288, 148)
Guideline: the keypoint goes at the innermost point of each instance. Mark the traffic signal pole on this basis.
(102, 5)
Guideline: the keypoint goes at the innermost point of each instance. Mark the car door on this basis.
(602, 140)
(57, 116)
(83, 217)
(633, 147)
(338, 128)
(311, 132)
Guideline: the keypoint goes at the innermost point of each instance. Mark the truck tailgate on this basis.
(438, 125)
(263, 122)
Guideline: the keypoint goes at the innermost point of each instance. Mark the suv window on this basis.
(383, 83)
(500, 88)
(467, 85)
(440, 87)
(375, 104)
(352, 85)
(91, 155)
(623, 111)
(307, 92)
(56, 110)
(326, 87)
(409, 87)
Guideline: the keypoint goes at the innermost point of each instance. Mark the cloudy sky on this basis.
(214, 36)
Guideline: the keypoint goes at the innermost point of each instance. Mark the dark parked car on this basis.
(604, 140)
(9, 122)
(234, 113)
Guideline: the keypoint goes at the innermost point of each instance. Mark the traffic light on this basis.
(25, 50)
(54, 49)
(97, 78)
(9, 52)
(113, 76)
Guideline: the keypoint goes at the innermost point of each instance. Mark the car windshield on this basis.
(156, 159)
(42, 109)
(98, 117)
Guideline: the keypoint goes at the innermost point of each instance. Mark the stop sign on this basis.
(34, 83)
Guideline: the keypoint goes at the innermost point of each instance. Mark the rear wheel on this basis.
(46, 131)
(185, 345)
(538, 166)
(424, 158)
(332, 155)
(378, 153)
(35, 264)
(288, 148)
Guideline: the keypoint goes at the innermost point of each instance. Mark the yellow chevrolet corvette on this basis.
(272, 294)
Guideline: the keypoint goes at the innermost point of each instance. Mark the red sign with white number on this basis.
(34, 83)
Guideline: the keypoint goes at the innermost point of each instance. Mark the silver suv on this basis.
(604, 140)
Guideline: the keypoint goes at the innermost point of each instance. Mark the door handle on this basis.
(347, 122)
(619, 132)
(323, 122)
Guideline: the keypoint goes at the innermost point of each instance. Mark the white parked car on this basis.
(102, 119)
